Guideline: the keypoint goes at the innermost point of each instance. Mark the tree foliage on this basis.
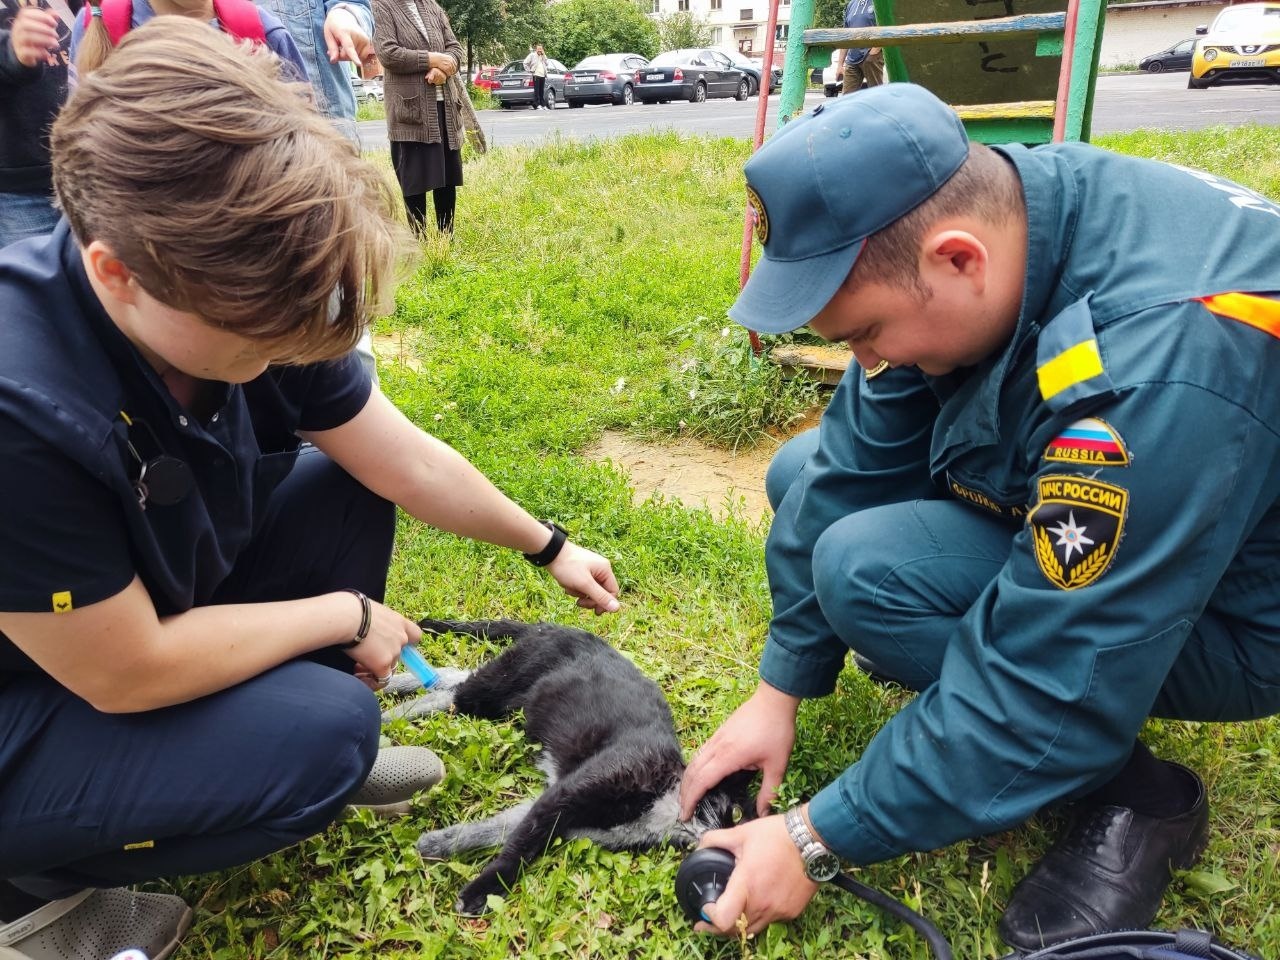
(494, 31)
(680, 30)
(581, 28)
(477, 23)
(525, 23)
(828, 13)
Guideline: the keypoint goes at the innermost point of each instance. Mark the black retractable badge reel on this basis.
(162, 480)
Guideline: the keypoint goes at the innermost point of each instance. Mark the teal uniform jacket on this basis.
(1130, 435)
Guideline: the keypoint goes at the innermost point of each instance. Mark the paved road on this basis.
(1121, 103)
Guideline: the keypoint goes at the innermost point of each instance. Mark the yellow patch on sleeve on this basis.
(62, 602)
(1073, 365)
(140, 845)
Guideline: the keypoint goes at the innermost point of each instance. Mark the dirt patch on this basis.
(698, 474)
(396, 348)
(695, 473)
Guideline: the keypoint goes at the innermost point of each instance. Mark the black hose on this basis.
(941, 949)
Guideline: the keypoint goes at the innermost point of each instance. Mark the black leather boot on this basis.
(874, 673)
(1109, 871)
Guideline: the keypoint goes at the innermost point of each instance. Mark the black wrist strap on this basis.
(552, 549)
(366, 618)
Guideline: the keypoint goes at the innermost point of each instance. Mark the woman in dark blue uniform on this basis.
(190, 599)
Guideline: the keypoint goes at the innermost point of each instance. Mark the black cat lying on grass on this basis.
(609, 751)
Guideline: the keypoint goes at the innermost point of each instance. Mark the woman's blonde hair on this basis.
(225, 193)
(95, 45)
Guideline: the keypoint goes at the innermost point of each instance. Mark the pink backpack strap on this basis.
(239, 18)
(117, 17)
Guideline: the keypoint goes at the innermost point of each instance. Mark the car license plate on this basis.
(654, 76)
(511, 83)
(1248, 63)
(585, 78)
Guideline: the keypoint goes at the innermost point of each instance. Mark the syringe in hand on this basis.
(417, 665)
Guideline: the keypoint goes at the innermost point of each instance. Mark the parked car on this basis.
(832, 80)
(606, 78)
(485, 78)
(694, 75)
(515, 85)
(366, 89)
(1176, 57)
(1242, 45)
(752, 69)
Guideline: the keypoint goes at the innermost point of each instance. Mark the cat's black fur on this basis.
(609, 750)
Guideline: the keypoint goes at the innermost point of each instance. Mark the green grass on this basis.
(371, 110)
(377, 109)
(586, 290)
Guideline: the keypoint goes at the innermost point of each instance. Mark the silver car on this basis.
(606, 78)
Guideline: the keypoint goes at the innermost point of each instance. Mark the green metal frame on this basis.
(1016, 117)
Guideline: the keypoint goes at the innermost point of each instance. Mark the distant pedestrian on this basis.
(536, 63)
(419, 53)
(861, 63)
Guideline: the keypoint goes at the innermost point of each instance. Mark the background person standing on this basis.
(34, 39)
(419, 54)
(328, 32)
(861, 63)
(536, 63)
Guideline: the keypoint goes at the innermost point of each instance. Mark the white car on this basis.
(832, 76)
(365, 89)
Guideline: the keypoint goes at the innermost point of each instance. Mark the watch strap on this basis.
(553, 547)
(810, 847)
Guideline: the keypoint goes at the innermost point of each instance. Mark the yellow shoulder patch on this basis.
(1074, 365)
(62, 602)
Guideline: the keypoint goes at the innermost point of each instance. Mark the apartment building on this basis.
(735, 24)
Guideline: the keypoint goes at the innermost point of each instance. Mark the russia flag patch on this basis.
(1088, 441)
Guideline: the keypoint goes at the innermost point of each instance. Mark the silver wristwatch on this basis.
(820, 864)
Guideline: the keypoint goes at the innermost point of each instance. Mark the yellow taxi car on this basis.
(1242, 45)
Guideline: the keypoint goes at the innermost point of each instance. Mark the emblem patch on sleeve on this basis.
(1076, 527)
(760, 215)
(1088, 441)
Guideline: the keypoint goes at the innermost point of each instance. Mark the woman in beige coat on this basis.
(419, 53)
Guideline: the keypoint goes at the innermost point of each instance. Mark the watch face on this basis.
(822, 867)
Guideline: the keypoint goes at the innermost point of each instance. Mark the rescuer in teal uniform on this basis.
(1045, 497)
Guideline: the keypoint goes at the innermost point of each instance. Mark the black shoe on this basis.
(1108, 872)
(875, 674)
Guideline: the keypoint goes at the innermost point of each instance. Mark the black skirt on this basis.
(421, 167)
